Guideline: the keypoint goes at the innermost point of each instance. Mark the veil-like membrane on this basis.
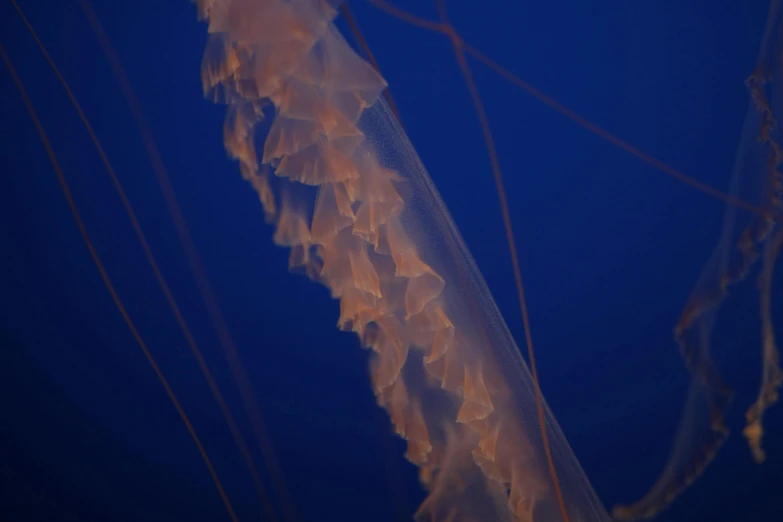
(745, 239)
(348, 195)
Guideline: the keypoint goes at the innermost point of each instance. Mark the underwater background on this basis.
(610, 249)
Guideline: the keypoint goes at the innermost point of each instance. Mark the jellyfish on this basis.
(355, 206)
(745, 241)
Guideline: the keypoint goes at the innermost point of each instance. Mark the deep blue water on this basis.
(610, 248)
